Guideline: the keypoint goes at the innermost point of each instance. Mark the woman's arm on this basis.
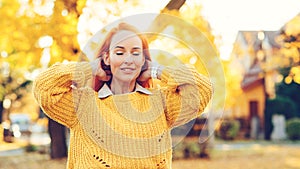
(186, 93)
(53, 90)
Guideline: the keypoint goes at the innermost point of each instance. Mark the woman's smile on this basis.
(128, 70)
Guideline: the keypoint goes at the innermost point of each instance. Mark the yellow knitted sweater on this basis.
(127, 131)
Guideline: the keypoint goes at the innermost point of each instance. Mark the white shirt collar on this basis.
(105, 90)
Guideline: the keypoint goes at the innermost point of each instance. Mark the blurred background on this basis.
(255, 121)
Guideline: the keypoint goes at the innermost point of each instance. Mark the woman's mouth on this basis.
(128, 70)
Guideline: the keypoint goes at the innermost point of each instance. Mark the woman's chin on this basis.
(126, 78)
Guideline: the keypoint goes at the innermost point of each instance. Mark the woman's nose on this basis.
(128, 59)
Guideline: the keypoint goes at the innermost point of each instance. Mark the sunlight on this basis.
(193, 60)
(235, 15)
(64, 12)
(46, 56)
(96, 15)
(3, 54)
(45, 41)
(43, 8)
(6, 103)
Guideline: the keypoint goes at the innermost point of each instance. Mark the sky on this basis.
(227, 17)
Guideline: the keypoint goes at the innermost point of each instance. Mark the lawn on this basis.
(258, 156)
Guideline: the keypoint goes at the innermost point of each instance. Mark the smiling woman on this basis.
(116, 118)
(125, 60)
(126, 45)
(129, 53)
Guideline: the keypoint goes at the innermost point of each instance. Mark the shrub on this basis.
(293, 128)
(229, 129)
(31, 148)
(190, 148)
(279, 105)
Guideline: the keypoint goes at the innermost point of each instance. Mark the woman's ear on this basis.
(106, 58)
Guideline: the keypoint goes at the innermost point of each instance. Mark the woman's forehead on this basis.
(125, 38)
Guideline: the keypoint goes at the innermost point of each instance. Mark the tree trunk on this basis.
(58, 145)
(1, 111)
(175, 4)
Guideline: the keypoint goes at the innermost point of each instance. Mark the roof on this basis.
(253, 76)
(251, 38)
(255, 73)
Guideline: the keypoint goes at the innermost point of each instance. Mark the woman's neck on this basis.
(119, 87)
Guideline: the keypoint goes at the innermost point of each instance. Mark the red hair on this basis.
(104, 49)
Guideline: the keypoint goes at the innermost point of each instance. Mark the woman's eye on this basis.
(135, 53)
(119, 53)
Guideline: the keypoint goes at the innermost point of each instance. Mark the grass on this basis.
(261, 155)
(258, 156)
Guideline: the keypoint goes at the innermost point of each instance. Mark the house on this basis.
(257, 53)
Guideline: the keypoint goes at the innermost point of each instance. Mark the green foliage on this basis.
(279, 105)
(290, 91)
(229, 129)
(20, 49)
(284, 71)
(282, 105)
(187, 149)
(293, 129)
(31, 148)
(192, 150)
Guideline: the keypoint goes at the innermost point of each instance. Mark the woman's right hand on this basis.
(98, 72)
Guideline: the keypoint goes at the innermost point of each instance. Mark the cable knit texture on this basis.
(120, 131)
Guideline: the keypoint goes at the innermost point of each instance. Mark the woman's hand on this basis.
(147, 73)
(98, 72)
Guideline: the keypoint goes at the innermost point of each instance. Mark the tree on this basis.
(289, 39)
(13, 87)
(57, 134)
(34, 32)
(287, 97)
(289, 90)
(290, 49)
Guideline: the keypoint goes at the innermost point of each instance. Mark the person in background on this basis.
(117, 118)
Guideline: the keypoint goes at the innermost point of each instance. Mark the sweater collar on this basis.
(105, 90)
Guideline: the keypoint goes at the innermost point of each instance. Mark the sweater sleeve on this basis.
(53, 90)
(186, 93)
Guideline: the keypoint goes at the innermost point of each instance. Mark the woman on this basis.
(116, 119)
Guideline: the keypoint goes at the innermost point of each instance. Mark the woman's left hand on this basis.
(147, 73)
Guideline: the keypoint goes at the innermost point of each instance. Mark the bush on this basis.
(190, 148)
(293, 128)
(279, 105)
(229, 129)
(31, 148)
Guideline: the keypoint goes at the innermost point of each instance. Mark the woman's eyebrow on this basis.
(136, 48)
(122, 47)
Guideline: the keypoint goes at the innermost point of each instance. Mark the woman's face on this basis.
(125, 56)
